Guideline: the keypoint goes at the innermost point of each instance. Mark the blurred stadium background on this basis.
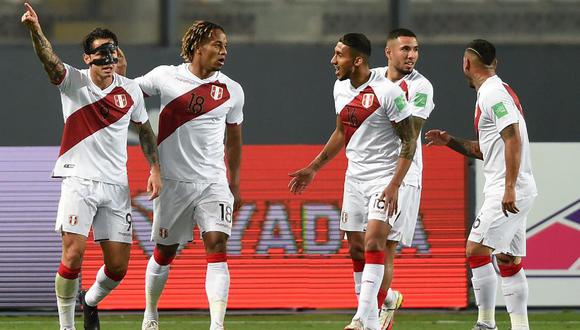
(286, 254)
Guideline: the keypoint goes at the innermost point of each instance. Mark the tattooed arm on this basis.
(407, 131)
(467, 148)
(512, 153)
(303, 177)
(149, 147)
(52, 63)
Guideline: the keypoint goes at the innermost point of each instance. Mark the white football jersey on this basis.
(419, 93)
(94, 140)
(366, 112)
(496, 108)
(192, 122)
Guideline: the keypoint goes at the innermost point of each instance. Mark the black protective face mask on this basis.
(106, 51)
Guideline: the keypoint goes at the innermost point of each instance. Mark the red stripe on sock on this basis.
(358, 265)
(69, 274)
(478, 261)
(114, 277)
(216, 257)
(160, 258)
(375, 257)
(381, 297)
(510, 270)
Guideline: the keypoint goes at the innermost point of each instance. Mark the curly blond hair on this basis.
(197, 34)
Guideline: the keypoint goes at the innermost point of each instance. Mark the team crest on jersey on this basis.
(367, 100)
(163, 232)
(73, 219)
(120, 100)
(217, 92)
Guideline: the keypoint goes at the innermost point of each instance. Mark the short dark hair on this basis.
(98, 33)
(484, 49)
(400, 32)
(357, 41)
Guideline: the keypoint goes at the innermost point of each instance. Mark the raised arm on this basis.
(467, 148)
(407, 131)
(303, 177)
(512, 153)
(52, 63)
(234, 158)
(149, 148)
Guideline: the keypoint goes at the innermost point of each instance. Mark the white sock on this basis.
(66, 295)
(371, 283)
(372, 321)
(155, 279)
(357, 281)
(217, 286)
(484, 282)
(101, 288)
(515, 294)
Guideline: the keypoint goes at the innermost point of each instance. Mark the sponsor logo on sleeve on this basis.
(499, 110)
(400, 102)
(420, 100)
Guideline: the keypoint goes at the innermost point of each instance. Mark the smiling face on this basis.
(102, 72)
(343, 61)
(402, 53)
(212, 53)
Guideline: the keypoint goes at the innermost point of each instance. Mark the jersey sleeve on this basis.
(236, 115)
(72, 77)
(500, 107)
(395, 104)
(421, 102)
(335, 92)
(149, 82)
(139, 114)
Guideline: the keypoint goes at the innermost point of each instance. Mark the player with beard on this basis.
(402, 52)
(373, 123)
(97, 105)
(510, 189)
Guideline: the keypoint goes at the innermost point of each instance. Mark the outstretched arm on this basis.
(467, 148)
(149, 147)
(52, 63)
(303, 177)
(407, 131)
(234, 158)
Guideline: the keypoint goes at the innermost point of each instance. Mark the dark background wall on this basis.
(289, 90)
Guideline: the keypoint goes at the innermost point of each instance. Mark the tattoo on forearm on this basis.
(52, 63)
(407, 132)
(465, 147)
(148, 143)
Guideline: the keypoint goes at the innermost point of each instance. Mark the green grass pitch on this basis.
(404, 320)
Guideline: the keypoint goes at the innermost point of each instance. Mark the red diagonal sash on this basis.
(191, 105)
(94, 117)
(357, 111)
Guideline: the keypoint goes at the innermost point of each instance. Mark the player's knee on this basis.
(73, 257)
(215, 242)
(507, 260)
(164, 254)
(374, 244)
(475, 249)
(356, 251)
(116, 272)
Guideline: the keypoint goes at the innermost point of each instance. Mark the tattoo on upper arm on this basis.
(148, 143)
(52, 63)
(407, 132)
(508, 132)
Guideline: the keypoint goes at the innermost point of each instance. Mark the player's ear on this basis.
(387, 52)
(466, 64)
(86, 59)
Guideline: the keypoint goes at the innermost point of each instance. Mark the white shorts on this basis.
(503, 234)
(182, 205)
(360, 203)
(104, 206)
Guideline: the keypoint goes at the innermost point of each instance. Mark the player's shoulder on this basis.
(229, 82)
(493, 87)
(130, 85)
(419, 78)
(383, 86)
